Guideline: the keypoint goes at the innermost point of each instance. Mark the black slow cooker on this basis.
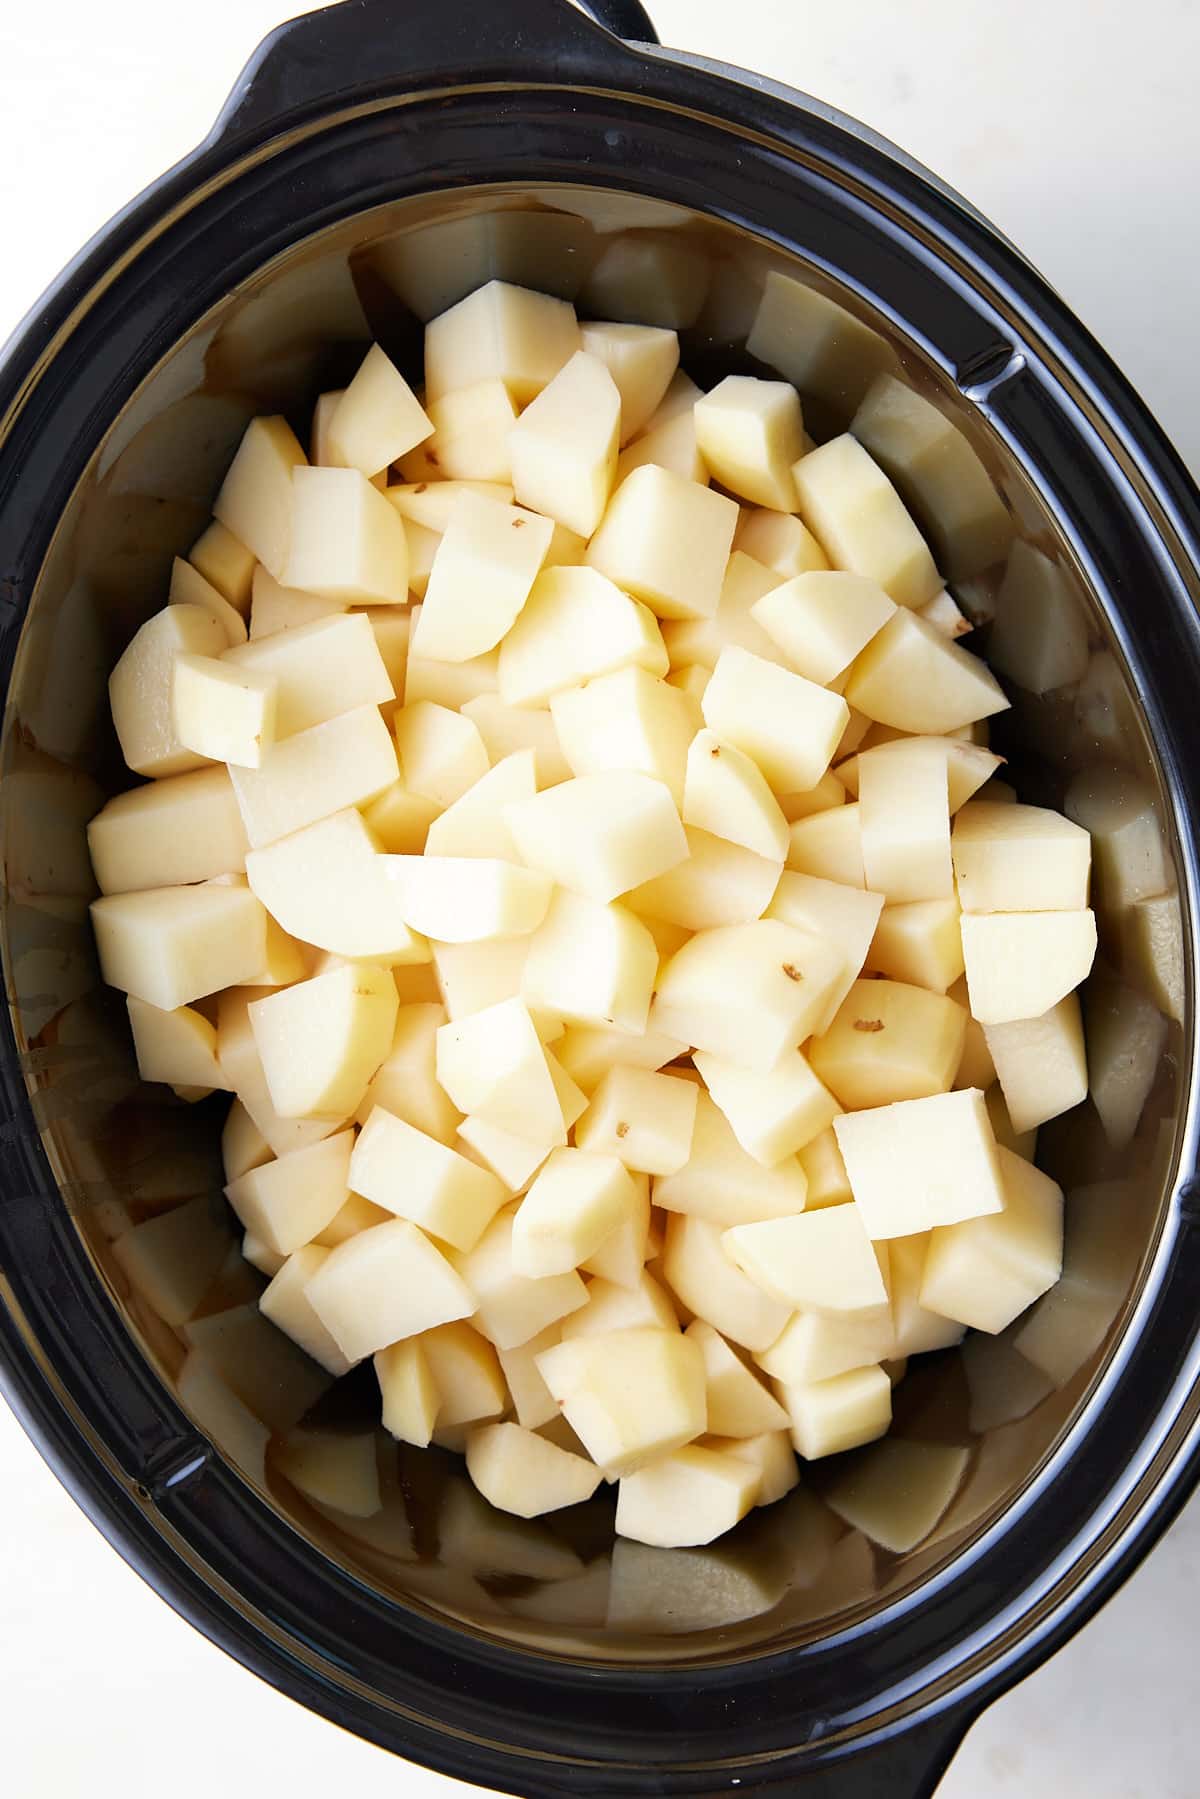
(375, 162)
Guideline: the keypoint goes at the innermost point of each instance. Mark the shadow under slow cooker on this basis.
(140, 1170)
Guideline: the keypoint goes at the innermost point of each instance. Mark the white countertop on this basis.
(1073, 124)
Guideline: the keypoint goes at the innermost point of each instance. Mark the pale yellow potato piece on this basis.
(576, 1201)
(781, 541)
(725, 795)
(225, 562)
(921, 1163)
(1039, 636)
(510, 1308)
(666, 541)
(522, 1473)
(747, 992)
(416, 984)
(173, 1259)
(472, 976)
(513, 1160)
(575, 626)
(904, 816)
(287, 1305)
(829, 1416)
(465, 899)
(431, 504)
(789, 726)
(358, 1214)
(985, 1272)
(669, 445)
(441, 753)
(718, 883)
(255, 500)
(410, 1399)
(243, 1145)
(703, 1279)
(377, 419)
(699, 641)
(141, 688)
(824, 1172)
(828, 846)
(620, 1260)
(321, 1041)
(532, 1399)
(612, 1306)
(914, 679)
(492, 1065)
(739, 1404)
(332, 665)
(222, 713)
(506, 729)
(771, 1115)
(846, 916)
(1126, 1037)
(189, 588)
(591, 963)
(1152, 952)
(896, 1492)
(861, 523)
(819, 1261)
(817, 1346)
(627, 720)
(815, 343)
(485, 565)
(654, 275)
(819, 621)
(178, 1047)
(644, 1118)
(168, 833)
(1021, 964)
(600, 834)
(416, 1176)
(722, 1183)
(1019, 859)
(449, 683)
(288, 1202)
(628, 1395)
(343, 762)
(750, 432)
(920, 942)
(326, 885)
(1022, 1143)
(587, 1052)
(945, 616)
(916, 1330)
(1129, 848)
(383, 1285)
(473, 825)
(466, 1374)
(399, 821)
(500, 332)
(642, 360)
(889, 1042)
(275, 608)
(564, 445)
(346, 541)
(242, 1067)
(169, 946)
(688, 1497)
(471, 428)
(772, 1457)
(1041, 1063)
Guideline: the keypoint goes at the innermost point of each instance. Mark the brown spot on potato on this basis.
(868, 1024)
(517, 523)
(622, 1129)
(420, 487)
(792, 972)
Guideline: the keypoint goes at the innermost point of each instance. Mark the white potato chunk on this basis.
(968, 765)
(821, 620)
(399, 820)
(669, 445)
(242, 1067)
(846, 916)
(485, 565)
(1041, 1063)
(471, 428)
(829, 1416)
(383, 1285)
(347, 543)
(432, 504)
(492, 1065)
(506, 729)
(944, 614)
(781, 541)
(642, 360)
(466, 1373)
(688, 1497)
(612, 1306)
(725, 794)
(588, 1052)
(915, 1329)
(287, 1305)
(789, 726)
(920, 942)
(896, 1492)
(415, 1176)
(343, 762)
(817, 1346)
(513, 1160)
(326, 885)
(222, 713)
(772, 1457)
(522, 1473)
(739, 1404)
(178, 1047)
(510, 1307)
(722, 1183)
(377, 419)
(914, 679)
(815, 343)
(1120, 814)
(718, 883)
(1021, 964)
(646, 1119)
(449, 683)
(824, 1172)
(465, 899)
(473, 825)
(1152, 953)
(189, 588)
(666, 541)
(703, 1279)
(654, 275)
(531, 1398)
(275, 608)
(819, 1261)
(921, 1163)
(503, 332)
(410, 1398)
(441, 753)
(472, 976)
(288, 1202)
(904, 815)
(358, 1214)
(225, 562)
(771, 1115)
(600, 834)
(1126, 1037)
(750, 432)
(173, 1259)
(628, 1395)
(748, 992)
(332, 665)
(985, 1272)
(255, 500)
(576, 1201)
(861, 522)
(322, 1040)
(564, 445)
(142, 685)
(699, 641)
(627, 720)
(591, 964)
(576, 625)
(172, 945)
(168, 833)
(1039, 636)
(1019, 859)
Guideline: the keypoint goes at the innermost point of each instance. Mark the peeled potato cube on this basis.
(1019, 859)
(575, 626)
(889, 1042)
(255, 501)
(178, 1046)
(1039, 636)
(1041, 1063)
(513, 1160)
(169, 946)
(222, 713)
(168, 833)
(829, 1416)
(141, 688)
(627, 720)
(920, 942)
(642, 360)
(821, 620)
(628, 1395)
(748, 992)
(824, 1172)
(771, 1115)
(591, 964)
(688, 1497)
(449, 684)
(600, 834)
(410, 1398)
(287, 1305)
(522, 1473)
(772, 1457)
(473, 825)
(576, 1201)
(669, 445)
(275, 608)
(828, 846)
(921, 1163)
(343, 762)
(817, 1346)
(914, 679)
(725, 794)
(332, 665)
(471, 429)
(465, 899)
(610, 1306)
(968, 766)
(896, 1492)
(441, 753)
(346, 541)
(645, 1119)
(904, 813)
(378, 418)
(326, 885)
(700, 641)
(915, 1329)
(666, 541)
(861, 522)
(290, 1201)
(781, 541)
(473, 976)
(739, 1404)
(564, 445)
(1021, 964)
(225, 562)
(415, 1176)
(587, 1052)
(492, 1064)
(510, 1307)
(657, 276)
(703, 1279)
(358, 1214)
(717, 883)
(985, 1272)
(242, 1067)
(1126, 1036)
(788, 726)
(722, 1183)
(500, 332)
(847, 916)
(466, 1373)
(506, 729)
(322, 1040)
(531, 1397)
(383, 1285)
(189, 588)
(485, 565)
(821, 1261)
(1120, 814)
(750, 432)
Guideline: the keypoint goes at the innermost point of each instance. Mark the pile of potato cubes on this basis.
(571, 836)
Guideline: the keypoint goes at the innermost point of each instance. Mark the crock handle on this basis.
(909, 1765)
(363, 49)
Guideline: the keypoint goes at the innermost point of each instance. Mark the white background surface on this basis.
(1073, 124)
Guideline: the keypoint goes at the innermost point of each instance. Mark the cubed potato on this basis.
(575, 1202)
(378, 418)
(703, 1279)
(829, 1416)
(889, 1042)
(506, 729)
(513, 1160)
(399, 821)
(725, 794)
(466, 1374)
(771, 1115)
(669, 445)
(781, 541)
(222, 713)
(358, 1214)
(828, 845)
(383, 1285)
(511, 1308)
(699, 641)
(718, 883)
(1022, 1143)
(169, 946)
(1126, 1038)
(819, 1261)
(920, 942)
(522, 1473)
(861, 523)
(225, 562)
(286, 1304)
(620, 1260)
(1039, 636)
(275, 608)
(896, 1492)
(943, 613)
(1019, 859)
(627, 720)
(168, 833)
(326, 885)
(485, 565)
(914, 679)
(591, 963)
(921, 1163)
(1020, 964)
(432, 503)
(600, 834)
(817, 1346)
(1151, 951)
(288, 1202)
(178, 1047)
(189, 588)
(588, 1052)
(666, 541)
(820, 621)
(255, 500)
(564, 445)
(242, 1068)
(722, 1183)
(968, 765)
(824, 1172)
(574, 627)
(750, 432)
(789, 726)
(1120, 813)
(492, 1065)
(343, 762)
(441, 753)
(1041, 1063)
(645, 1119)
(172, 1260)
(465, 899)
(347, 543)
(500, 332)
(985, 1272)
(243, 1145)
(846, 916)
(612, 1306)
(142, 685)
(904, 813)
(321, 1041)
(332, 665)
(915, 1329)
(815, 343)
(415, 1176)
(473, 976)
(642, 360)
(471, 429)
(532, 1400)
(629, 1395)
(686, 1498)
(410, 1399)
(474, 824)
(772, 1457)
(449, 683)
(748, 992)
(739, 1405)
